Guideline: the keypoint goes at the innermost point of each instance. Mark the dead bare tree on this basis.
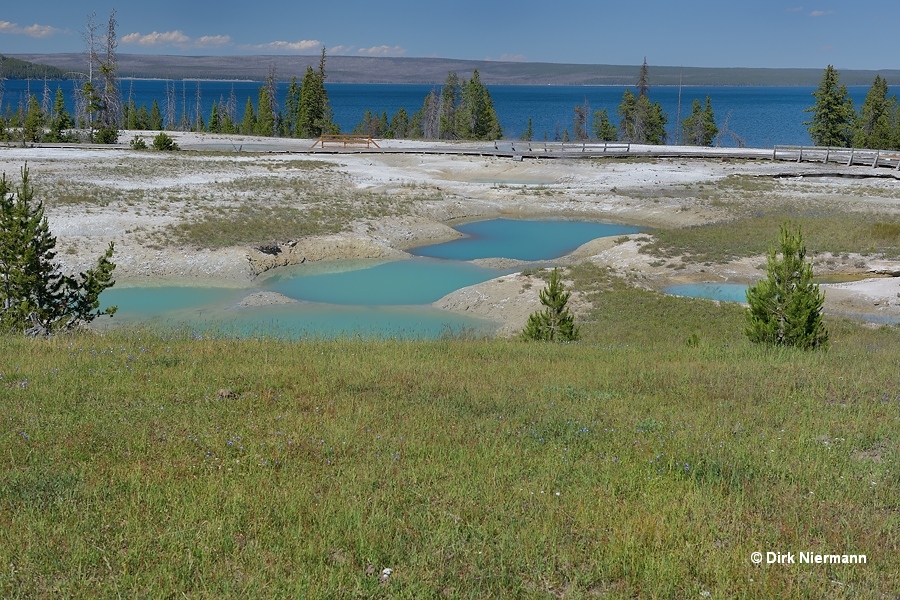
(111, 98)
(170, 106)
(198, 118)
(725, 131)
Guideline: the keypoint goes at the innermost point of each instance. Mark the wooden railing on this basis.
(846, 156)
(349, 140)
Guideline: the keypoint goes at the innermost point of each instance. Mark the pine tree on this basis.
(156, 120)
(291, 106)
(450, 98)
(699, 128)
(476, 118)
(786, 307)
(555, 322)
(33, 131)
(603, 129)
(643, 84)
(400, 124)
(314, 110)
(35, 296)
(528, 134)
(265, 122)
(833, 113)
(248, 123)
(214, 124)
(876, 122)
(61, 120)
(579, 121)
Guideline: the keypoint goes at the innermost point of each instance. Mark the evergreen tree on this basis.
(875, 126)
(450, 99)
(833, 114)
(555, 323)
(129, 115)
(629, 128)
(642, 121)
(35, 296)
(603, 129)
(248, 123)
(699, 128)
(476, 118)
(61, 120)
(400, 124)
(33, 131)
(143, 118)
(265, 122)
(528, 134)
(314, 110)
(214, 124)
(156, 120)
(579, 124)
(643, 84)
(291, 106)
(384, 126)
(786, 307)
(366, 125)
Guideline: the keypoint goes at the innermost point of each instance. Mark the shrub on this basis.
(163, 142)
(138, 143)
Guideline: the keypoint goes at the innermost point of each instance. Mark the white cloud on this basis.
(175, 38)
(820, 13)
(279, 46)
(383, 51)
(166, 38)
(35, 31)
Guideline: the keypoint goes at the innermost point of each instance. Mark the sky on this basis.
(696, 33)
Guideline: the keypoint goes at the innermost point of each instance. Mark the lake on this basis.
(760, 116)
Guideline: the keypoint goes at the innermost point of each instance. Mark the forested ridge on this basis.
(354, 69)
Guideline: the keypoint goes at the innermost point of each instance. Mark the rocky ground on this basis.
(384, 204)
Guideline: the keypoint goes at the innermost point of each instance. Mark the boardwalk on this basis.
(557, 150)
(519, 151)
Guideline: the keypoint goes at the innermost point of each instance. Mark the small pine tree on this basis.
(604, 130)
(156, 120)
(786, 306)
(34, 121)
(555, 322)
(528, 135)
(35, 296)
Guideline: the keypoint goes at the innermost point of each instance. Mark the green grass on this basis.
(831, 231)
(649, 460)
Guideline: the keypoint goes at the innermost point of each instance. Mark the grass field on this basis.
(649, 460)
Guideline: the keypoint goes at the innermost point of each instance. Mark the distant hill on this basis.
(14, 68)
(355, 69)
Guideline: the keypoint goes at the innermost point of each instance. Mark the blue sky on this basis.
(720, 33)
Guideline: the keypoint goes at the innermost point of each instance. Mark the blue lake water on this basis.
(761, 116)
(365, 298)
